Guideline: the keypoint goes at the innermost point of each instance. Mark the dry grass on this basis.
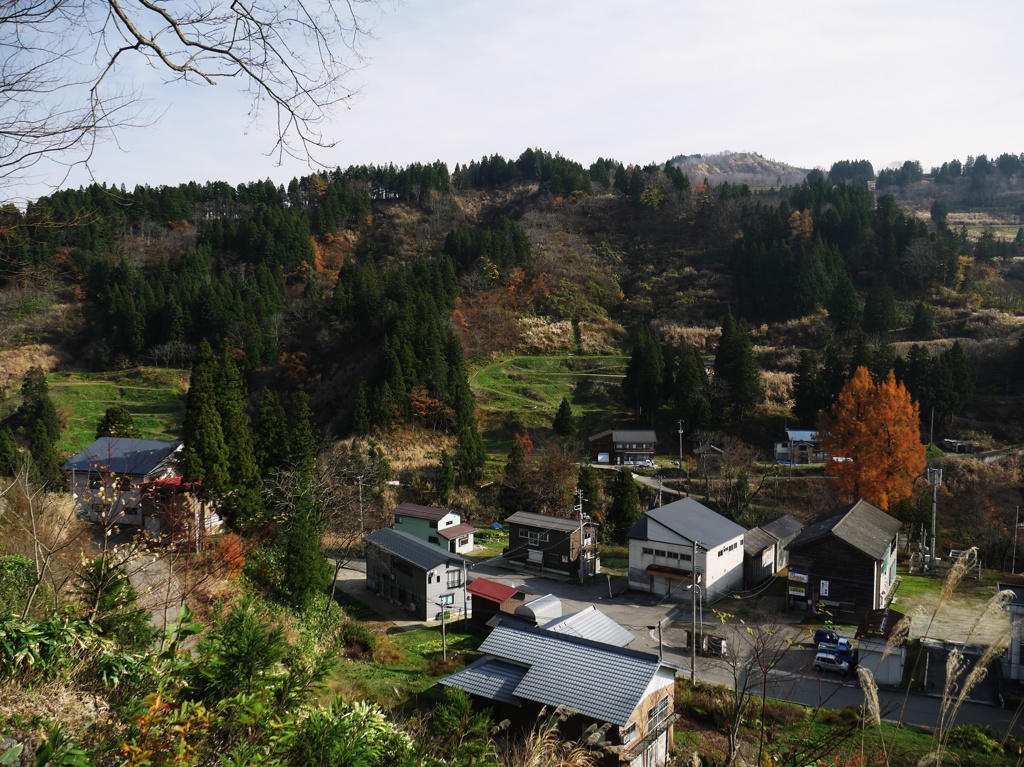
(705, 340)
(15, 362)
(778, 388)
(543, 336)
(601, 336)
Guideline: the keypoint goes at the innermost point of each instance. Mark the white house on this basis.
(671, 542)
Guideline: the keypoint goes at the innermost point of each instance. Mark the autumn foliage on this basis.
(874, 427)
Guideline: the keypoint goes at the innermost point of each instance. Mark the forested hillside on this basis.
(344, 335)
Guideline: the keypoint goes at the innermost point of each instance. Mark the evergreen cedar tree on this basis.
(645, 372)
(117, 421)
(736, 366)
(37, 417)
(624, 511)
(564, 423)
(874, 429)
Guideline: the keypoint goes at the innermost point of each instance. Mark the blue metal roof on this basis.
(123, 455)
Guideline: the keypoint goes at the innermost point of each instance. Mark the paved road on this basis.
(641, 614)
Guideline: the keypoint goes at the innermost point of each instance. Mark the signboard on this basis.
(768, 557)
(823, 588)
(797, 591)
(797, 577)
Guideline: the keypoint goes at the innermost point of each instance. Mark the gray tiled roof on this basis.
(687, 519)
(123, 455)
(489, 678)
(420, 554)
(861, 525)
(543, 521)
(597, 680)
(591, 624)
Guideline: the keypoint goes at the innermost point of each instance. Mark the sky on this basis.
(638, 81)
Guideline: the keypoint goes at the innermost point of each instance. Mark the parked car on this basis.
(825, 661)
(825, 635)
(839, 646)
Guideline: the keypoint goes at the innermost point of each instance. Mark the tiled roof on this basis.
(685, 519)
(543, 521)
(490, 590)
(455, 531)
(420, 554)
(861, 525)
(123, 455)
(600, 681)
(421, 512)
(489, 678)
(592, 624)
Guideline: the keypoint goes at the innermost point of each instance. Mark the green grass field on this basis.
(155, 398)
(525, 392)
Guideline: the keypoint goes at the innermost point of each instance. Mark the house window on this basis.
(686, 557)
(400, 566)
(659, 553)
(433, 525)
(433, 539)
(399, 519)
(673, 555)
(648, 552)
(447, 599)
(657, 714)
(535, 538)
(454, 578)
(463, 541)
(629, 734)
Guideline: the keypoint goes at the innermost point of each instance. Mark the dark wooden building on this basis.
(845, 561)
(764, 549)
(623, 447)
(491, 598)
(555, 544)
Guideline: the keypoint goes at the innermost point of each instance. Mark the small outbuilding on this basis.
(764, 549)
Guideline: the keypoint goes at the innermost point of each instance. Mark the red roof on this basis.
(491, 590)
(173, 482)
(456, 531)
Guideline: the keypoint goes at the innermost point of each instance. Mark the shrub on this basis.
(976, 738)
(359, 641)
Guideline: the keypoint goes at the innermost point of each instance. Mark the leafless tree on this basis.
(64, 63)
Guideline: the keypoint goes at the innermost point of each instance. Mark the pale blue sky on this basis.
(805, 82)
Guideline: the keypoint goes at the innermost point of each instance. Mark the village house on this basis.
(764, 549)
(440, 527)
(175, 512)
(421, 577)
(845, 561)
(623, 447)
(800, 447)
(553, 544)
(106, 478)
(525, 669)
(674, 546)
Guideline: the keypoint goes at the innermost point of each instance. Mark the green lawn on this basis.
(155, 398)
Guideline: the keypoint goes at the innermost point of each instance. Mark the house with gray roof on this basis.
(105, 478)
(441, 527)
(623, 447)
(423, 578)
(553, 544)
(845, 561)
(682, 543)
(764, 549)
(525, 669)
(801, 446)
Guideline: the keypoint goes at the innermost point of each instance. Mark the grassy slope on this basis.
(155, 397)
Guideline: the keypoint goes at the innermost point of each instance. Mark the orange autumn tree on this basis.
(874, 427)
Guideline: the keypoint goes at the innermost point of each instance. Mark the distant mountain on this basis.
(739, 168)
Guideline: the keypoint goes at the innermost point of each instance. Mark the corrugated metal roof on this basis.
(597, 680)
(543, 521)
(542, 609)
(455, 531)
(801, 435)
(757, 540)
(425, 556)
(490, 590)
(422, 512)
(861, 525)
(594, 625)
(489, 678)
(690, 520)
(783, 527)
(627, 435)
(123, 455)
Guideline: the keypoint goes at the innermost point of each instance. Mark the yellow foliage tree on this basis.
(874, 430)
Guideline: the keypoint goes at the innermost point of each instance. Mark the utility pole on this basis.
(465, 599)
(578, 509)
(934, 479)
(359, 481)
(1016, 527)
